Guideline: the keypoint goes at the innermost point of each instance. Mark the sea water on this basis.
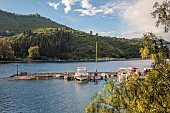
(52, 96)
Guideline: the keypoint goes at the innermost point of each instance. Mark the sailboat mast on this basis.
(96, 56)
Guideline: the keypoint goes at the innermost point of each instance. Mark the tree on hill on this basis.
(6, 52)
(33, 53)
(135, 95)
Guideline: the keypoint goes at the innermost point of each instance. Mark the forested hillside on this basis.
(128, 47)
(35, 37)
(11, 23)
(61, 43)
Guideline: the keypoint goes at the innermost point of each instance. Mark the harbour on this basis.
(85, 56)
(53, 95)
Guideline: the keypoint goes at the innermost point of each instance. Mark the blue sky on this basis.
(121, 18)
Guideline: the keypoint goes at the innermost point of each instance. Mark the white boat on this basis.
(104, 76)
(124, 73)
(81, 75)
(95, 76)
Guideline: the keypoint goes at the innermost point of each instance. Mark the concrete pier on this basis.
(52, 75)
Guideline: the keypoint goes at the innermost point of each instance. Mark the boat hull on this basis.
(81, 79)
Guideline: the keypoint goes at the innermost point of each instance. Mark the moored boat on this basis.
(124, 73)
(81, 75)
(67, 76)
(95, 76)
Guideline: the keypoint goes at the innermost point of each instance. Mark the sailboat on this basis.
(95, 76)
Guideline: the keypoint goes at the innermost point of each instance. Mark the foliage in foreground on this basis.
(151, 95)
(135, 95)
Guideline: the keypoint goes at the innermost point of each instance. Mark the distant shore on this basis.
(82, 60)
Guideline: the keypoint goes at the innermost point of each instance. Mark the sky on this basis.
(119, 18)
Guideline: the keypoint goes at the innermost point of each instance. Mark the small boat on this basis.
(95, 76)
(81, 75)
(67, 76)
(104, 76)
(134, 70)
(59, 76)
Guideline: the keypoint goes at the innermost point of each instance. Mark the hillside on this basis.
(56, 41)
(61, 43)
(11, 23)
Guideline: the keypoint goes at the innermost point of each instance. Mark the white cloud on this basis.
(138, 16)
(54, 5)
(85, 4)
(88, 9)
(90, 12)
(68, 4)
(67, 9)
(109, 8)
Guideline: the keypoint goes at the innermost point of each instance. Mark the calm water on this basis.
(52, 96)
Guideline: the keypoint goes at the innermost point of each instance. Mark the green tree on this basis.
(162, 14)
(134, 95)
(155, 47)
(33, 52)
(6, 52)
